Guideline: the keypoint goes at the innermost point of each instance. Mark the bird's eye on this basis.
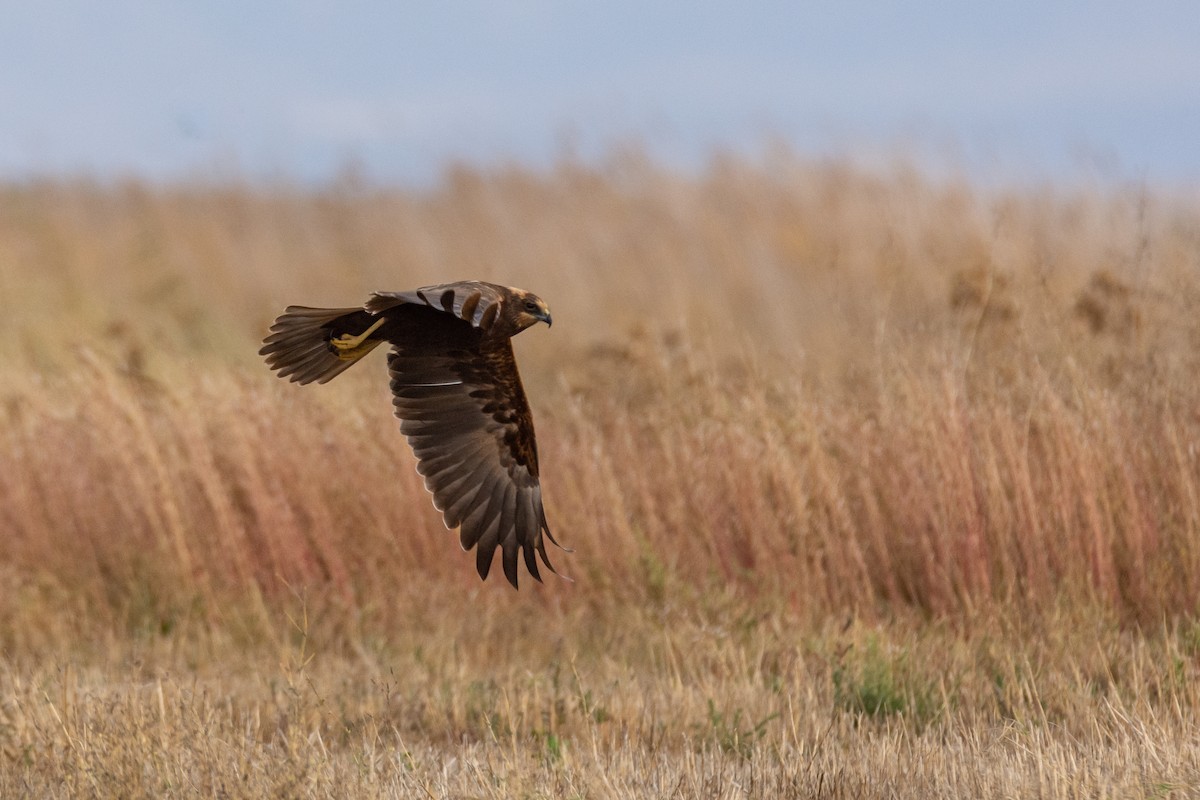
(530, 305)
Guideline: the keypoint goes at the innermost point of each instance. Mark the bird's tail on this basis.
(318, 344)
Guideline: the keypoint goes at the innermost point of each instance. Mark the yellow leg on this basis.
(346, 342)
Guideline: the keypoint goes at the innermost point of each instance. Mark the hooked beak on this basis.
(545, 317)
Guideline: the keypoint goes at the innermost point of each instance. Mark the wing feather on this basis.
(465, 497)
(458, 395)
(498, 528)
(471, 301)
(482, 512)
(510, 551)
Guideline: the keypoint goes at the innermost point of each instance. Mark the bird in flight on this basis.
(457, 393)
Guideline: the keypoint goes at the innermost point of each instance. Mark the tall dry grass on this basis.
(850, 391)
(779, 395)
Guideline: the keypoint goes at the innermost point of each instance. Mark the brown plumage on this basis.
(457, 394)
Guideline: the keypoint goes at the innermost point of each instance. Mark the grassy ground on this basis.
(669, 702)
(876, 487)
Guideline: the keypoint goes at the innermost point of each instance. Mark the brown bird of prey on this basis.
(457, 394)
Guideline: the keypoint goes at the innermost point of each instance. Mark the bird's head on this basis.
(531, 310)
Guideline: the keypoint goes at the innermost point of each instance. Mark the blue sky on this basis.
(170, 90)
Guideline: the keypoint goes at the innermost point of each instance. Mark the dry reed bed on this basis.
(884, 389)
(151, 499)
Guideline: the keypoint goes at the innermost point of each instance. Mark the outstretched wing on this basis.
(461, 405)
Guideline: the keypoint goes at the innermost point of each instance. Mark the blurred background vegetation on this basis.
(846, 388)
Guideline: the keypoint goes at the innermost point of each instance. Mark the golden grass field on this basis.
(877, 486)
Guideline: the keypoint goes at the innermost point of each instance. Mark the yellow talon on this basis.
(347, 342)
